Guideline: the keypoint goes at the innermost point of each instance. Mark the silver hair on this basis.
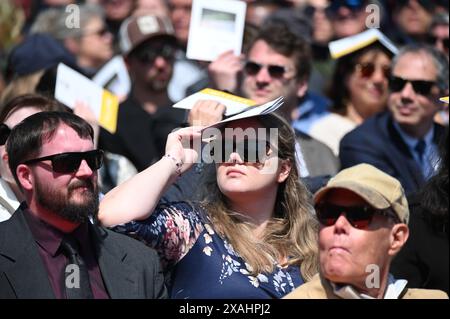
(439, 59)
(55, 21)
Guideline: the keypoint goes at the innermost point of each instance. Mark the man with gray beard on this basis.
(52, 247)
(146, 117)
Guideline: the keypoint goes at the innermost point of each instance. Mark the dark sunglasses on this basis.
(432, 41)
(311, 10)
(275, 71)
(396, 84)
(250, 151)
(352, 5)
(358, 216)
(368, 69)
(148, 55)
(66, 163)
(4, 133)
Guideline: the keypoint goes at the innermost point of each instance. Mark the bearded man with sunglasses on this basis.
(146, 117)
(52, 247)
(363, 215)
(403, 141)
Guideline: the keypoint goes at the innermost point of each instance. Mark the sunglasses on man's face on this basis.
(422, 87)
(368, 69)
(67, 163)
(358, 216)
(275, 71)
(250, 151)
(148, 55)
(4, 133)
(432, 41)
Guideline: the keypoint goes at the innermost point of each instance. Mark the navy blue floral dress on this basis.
(204, 264)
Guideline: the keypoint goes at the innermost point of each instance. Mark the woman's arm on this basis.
(136, 198)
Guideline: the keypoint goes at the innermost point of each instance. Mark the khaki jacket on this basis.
(319, 288)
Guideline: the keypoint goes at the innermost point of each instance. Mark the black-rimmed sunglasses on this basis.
(250, 151)
(4, 133)
(423, 87)
(432, 41)
(148, 55)
(358, 216)
(67, 163)
(275, 71)
(368, 69)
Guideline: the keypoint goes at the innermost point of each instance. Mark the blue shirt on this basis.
(312, 108)
(204, 264)
(430, 156)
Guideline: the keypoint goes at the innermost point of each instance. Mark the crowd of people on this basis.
(339, 193)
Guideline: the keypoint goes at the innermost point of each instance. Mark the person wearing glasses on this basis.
(403, 141)
(11, 114)
(363, 215)
(146, 117)
(53, 247)
(253, 234)
(90, 42)
(358, 88)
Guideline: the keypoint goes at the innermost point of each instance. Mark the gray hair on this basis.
(54, 21)
(439, 19)
(439, 59)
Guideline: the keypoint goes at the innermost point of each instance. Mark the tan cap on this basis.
(136, 30)
(377, 188)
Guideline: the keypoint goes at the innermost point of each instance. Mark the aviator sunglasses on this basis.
(368, 69)
(275, 71)
(250, 151)
(358, 216)
(66, 163)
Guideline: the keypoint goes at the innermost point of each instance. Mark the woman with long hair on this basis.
(253, 235)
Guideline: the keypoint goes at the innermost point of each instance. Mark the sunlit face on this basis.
(73, 196)
(369, 92)
(345, 251)
(408, 107)
(95, 46)
(12, 120)
(262, 87)
(238, 180)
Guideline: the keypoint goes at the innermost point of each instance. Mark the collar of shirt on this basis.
(48, 237)
(394, 290)
(411, 142)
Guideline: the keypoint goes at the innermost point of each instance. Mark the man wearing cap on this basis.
(363, 215)
(403, 141)
(146, 117)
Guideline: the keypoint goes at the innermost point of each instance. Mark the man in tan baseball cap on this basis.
(363, 215)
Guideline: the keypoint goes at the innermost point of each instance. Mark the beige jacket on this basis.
(319, 288)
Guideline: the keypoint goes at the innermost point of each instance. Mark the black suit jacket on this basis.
(377, 142)
(129, 268)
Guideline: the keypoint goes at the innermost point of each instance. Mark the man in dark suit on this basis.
(53, 247)
(403, 142)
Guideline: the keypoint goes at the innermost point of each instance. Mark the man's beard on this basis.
(60, 203)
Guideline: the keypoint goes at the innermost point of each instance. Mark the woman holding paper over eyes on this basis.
(253, 236)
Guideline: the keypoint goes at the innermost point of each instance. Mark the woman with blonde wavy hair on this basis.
(253, 235)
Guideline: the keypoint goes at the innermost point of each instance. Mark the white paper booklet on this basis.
(216, 26)
(342, 47)
(234, 104)
(72, 87)
(113, 76)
